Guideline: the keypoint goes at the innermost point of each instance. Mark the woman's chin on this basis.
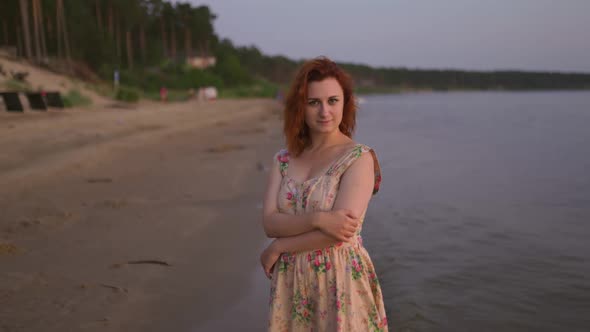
(324, 130)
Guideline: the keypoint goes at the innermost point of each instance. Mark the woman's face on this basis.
(325, 104)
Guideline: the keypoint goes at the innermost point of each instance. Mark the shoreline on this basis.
(188, 195)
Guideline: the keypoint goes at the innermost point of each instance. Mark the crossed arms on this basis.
(317, 230)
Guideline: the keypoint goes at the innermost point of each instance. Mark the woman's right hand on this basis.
(339, 224)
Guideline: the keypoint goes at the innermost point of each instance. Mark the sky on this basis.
(547, 35)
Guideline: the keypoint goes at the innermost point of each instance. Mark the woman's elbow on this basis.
(268, 230)
(269, 233)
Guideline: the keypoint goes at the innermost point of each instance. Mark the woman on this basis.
(317, 195)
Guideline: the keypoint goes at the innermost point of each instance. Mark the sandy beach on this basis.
(143, 218)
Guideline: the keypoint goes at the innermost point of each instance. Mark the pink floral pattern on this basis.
(329, 289)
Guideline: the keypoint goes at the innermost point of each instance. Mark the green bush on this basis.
(15, 85)
(195, 78)
(173, 77)
(232, 72)
(259, 89)
(75, 98)
(128, 94)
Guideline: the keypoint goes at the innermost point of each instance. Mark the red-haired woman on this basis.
(315, 202)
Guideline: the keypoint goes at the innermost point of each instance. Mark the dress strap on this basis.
(343, 163)
(282, 157)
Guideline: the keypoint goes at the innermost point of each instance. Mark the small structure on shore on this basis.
(201, 62)
(207, 93)
(39, 101)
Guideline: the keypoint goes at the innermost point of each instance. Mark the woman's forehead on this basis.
(325, 88)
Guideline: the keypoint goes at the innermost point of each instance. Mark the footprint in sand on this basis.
(26, 223)
(99, 180)
(50, 219)
(115, 203)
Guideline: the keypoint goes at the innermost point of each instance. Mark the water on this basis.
(483, 218)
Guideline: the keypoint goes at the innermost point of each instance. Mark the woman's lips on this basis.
(324, 122)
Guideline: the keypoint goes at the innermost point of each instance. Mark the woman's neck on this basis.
(321, 141)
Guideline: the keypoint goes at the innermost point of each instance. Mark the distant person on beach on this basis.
(319, 187)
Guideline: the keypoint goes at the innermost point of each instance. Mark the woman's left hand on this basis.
(268, 258)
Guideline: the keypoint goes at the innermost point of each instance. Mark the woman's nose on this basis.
(324, 108)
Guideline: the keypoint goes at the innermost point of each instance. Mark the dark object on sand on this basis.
(19, 75)
(54, 99)
(12, 102)
(114, 288)
(36, 101)
(99, 180)
(150, 261)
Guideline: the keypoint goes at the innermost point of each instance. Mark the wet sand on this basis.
(141, 219)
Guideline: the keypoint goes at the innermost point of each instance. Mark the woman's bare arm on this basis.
(275, 223)
(356, 188)
(339, 224)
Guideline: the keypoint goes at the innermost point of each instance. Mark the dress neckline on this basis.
(324, 173)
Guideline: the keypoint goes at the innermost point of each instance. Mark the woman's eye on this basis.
(312, 102)
(332, 101)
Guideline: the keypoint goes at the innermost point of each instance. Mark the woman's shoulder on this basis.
(361, 148)
(282, 159)
(282, 156)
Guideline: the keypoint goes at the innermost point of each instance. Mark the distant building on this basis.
(201, 62)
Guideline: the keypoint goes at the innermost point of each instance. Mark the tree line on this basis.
(149, 41)
(120, 32)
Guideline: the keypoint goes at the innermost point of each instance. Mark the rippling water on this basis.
(483, 219)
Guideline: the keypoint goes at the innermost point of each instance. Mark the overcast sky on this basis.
(551, 35)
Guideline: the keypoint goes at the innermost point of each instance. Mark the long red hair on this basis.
(294, 127)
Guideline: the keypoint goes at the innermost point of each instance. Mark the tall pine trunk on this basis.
(24, 10)
(118, 39)
(58, 33)
(50, 30)
(173, 41)
(111, 19)
(44, 38)
(37, 29)
(129, 49)
(62, 28)
(164, 39)
(142, 44)
(187, 44)
(19, 41)
(5, 28)
(98, 16)
(42, 30)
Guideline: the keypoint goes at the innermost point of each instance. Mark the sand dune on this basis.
(42, 79)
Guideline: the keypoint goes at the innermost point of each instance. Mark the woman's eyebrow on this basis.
(334, 96)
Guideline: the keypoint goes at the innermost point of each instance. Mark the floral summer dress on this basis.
(332, 289)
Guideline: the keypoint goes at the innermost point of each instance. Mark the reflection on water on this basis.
(482, 220)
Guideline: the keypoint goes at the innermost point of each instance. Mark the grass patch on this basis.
(128, 94)
(173, 95)
(19, 86)
(74, 98)
(258, 90)
(103, 89)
